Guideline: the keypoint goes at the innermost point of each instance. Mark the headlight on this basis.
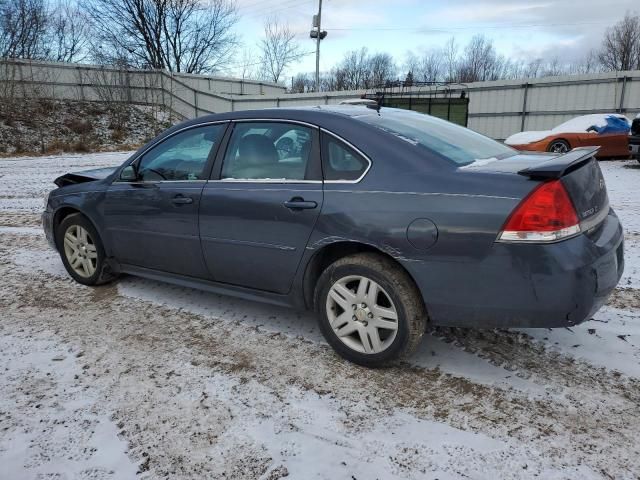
(46, 200)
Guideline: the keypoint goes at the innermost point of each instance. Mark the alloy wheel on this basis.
(559, 147)
(80, 251)
(362, 314)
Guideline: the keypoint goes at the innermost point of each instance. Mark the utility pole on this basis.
(318, 34)
(318, 46)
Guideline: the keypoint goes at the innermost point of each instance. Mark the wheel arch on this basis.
(332, 252)
(63, 212)
(558, 139)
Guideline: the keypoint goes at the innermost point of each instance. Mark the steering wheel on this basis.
(160, 174)
(284, 145)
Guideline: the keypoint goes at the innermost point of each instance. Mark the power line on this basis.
(268, 10)
(513, 25)
(240, 64)
(252, 4)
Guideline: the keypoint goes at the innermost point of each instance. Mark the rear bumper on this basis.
(518, 285)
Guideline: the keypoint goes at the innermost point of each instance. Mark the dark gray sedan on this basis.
(381, 220)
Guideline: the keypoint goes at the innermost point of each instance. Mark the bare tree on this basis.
(426, 67)
(199, 35)
(431, 66)
(451, 58)
(588, 64)
(248, 63)
(23, 28)
(302, 83)
(191, 36)
(112, 87)
(68, 33)
(553, 68)
(479, 61)
(381, 68)
(279, 49)
(621, 45)
(353, 72)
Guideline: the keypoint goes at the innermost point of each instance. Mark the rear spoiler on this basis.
(561, 165)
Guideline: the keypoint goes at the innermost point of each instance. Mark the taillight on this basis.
(545, 215)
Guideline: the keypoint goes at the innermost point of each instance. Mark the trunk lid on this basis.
(578, 170)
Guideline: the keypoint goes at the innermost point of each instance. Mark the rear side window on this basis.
(341, 162)
(268, 151)
(461, 145)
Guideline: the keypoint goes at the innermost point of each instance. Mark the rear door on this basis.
(152, 222)
(259, 209)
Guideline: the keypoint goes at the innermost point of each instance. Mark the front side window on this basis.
(459, 144)
(182, 156)
(268, 151)
(340, 162)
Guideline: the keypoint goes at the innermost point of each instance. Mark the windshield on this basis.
(454, 142)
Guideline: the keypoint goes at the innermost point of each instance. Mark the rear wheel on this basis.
(82, 251)
(371, 313)
(559, 146)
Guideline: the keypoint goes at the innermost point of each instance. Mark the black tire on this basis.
(559, 146)
(396, 283)
(103, 271)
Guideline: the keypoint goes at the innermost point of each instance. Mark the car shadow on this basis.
(446, 350)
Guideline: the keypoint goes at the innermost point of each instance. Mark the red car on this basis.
(609, 131)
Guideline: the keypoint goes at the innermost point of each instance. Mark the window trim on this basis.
(137, 157)
(217, 170)
(357, 150)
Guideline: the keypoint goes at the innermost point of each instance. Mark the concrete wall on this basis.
(497, 109)
(501, 108)
(188, 95)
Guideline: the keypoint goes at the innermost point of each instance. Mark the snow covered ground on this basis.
(140, 379)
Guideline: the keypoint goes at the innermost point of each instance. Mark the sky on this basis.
(519, 29)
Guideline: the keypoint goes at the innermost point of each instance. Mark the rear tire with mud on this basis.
(82, 251)
(370, 310)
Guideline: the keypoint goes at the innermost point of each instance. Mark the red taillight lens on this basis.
(546, 215)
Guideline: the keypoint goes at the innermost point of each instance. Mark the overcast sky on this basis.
(567, 29)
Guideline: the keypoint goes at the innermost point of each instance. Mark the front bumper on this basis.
(47, 226)
(518, 285)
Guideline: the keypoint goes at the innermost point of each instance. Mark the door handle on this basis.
(299, 203)
(181, 200)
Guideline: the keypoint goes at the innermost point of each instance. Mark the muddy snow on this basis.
(140, 379)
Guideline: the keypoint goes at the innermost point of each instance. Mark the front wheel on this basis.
(371, 312)
(81, 251)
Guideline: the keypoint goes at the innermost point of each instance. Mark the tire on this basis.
(559, 146)
(361, 326)
(88, 250)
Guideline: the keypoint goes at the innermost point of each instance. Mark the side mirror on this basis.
(129, 174)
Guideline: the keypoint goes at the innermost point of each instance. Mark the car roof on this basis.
(295, 113)
(336, 118)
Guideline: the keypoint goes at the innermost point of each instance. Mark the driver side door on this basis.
(152, 221)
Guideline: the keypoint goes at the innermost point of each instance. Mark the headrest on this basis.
(257, 150)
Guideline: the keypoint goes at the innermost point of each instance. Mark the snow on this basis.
(141, 376)
(524, 138)
(583, 123)
(60, 437)
(575, 125)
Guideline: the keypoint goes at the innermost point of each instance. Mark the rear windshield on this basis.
(459, 144)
